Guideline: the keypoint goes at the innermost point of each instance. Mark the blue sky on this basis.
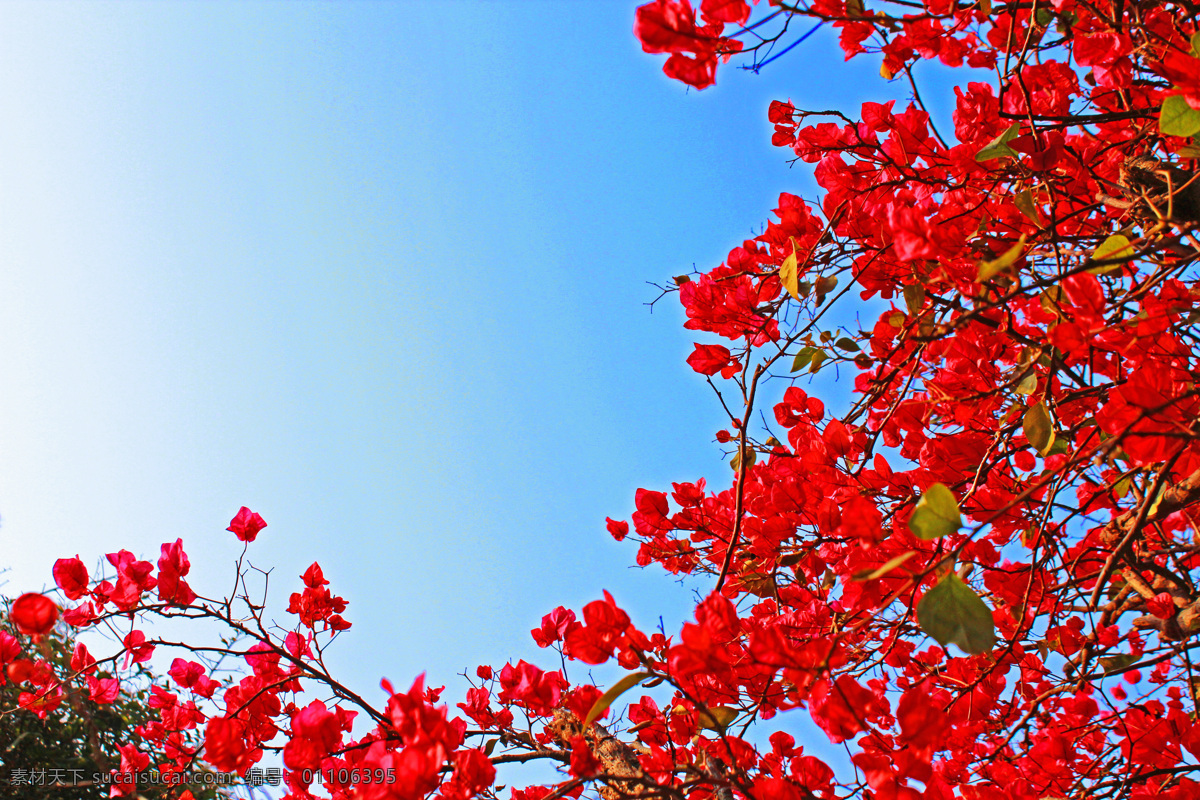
(378, 271)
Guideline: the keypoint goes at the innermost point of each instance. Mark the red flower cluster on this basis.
(316, 603)
(669, 26)
(976, 568)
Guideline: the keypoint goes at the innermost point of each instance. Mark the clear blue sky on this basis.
(379, 272)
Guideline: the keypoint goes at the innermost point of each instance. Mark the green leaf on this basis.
(989, 269)
(1024, 203)
(490, 746)
(1177, 118)
(1066, 21)
(1037, 427)
(936, 514)
(789, 276)
(952, 613)
(803, 357)
(847, 344)
(717, 718)
(999, 146)
(1115, 246)
(914, 297)
(1196, 44)
(618, 688)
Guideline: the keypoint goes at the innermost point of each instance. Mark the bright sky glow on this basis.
(378, 271)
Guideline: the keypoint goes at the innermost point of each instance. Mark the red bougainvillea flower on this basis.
(136, 648)
(173, 564)
(554, 627)
(71, 576)
(33, 614)
(318, 603)
(225, 745)
(10, 648)
(1161, 605)
(20, 670)
(246, 524)
(41, 702)
(709, 359)
(103, 690)
(618, 530)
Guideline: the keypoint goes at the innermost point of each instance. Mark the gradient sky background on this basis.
(378, 271)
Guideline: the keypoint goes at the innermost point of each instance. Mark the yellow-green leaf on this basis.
(1024, 203)
(1177, 118)
(847, 344)
(789, 276)
(1049, 300)
(618, 688)
(824, 286)
(999, 146)
(936, 514)
(1118, 663)
(1122, 487)
(792, 559)
(1028, 384)
(886, 567)
(1115, 246)
(914, 297)
(1158, 498)
(1058, 446)
(803, 358)
(818, 359)
(717, 718)
(751, 457)
(989, 269)
(1037, 427)
(952, 613)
